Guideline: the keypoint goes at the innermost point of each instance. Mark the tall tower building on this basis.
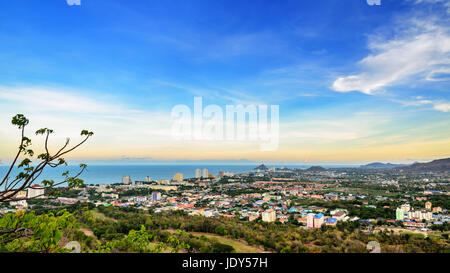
(310, 220)
(198, 173)
(399, 214)
(126, 180)
(178, 177)
(269, 216)
(205, 173)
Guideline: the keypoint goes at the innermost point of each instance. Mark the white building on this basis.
(205, 173)
(421, 215)
(35, 191)
(103, 188)
(405, 207)
(339, 214)
(310, 220)
(269, 216)
(110, 195)
(156, 196)
(198, 173)
(19, 204)
(126, 180)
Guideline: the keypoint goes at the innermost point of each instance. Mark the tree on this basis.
(28, 174)
(10, 187)
(27, 232)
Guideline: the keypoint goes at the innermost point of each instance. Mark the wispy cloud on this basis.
(115, 124)
(439, 105)
(419, 49)
(445, 3)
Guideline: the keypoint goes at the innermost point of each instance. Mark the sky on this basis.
(355, 83)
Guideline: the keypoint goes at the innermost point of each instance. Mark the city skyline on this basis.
(354, 83)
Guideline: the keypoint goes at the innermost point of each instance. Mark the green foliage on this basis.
(222, 248)
(20, 121)
(34, 233)
(221, 230)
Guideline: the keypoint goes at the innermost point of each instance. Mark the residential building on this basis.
(178, 177)
(198, 173)
(310, 220)
(339, 214)
(35, 191)
(318, 220)
(399, 214)
(156, 196)
(269, 216)
(405, 207)
(126, 180)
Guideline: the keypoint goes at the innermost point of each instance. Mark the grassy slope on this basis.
(239, 246)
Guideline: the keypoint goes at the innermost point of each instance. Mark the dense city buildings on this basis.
(307, 198)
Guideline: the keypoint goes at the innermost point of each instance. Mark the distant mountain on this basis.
(316, 169)
(438, 165)
(261, 167)
(379, 165)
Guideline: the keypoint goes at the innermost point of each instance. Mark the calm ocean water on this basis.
(109, 174)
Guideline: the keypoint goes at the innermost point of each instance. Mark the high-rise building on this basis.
(399, 214)
(310, 220)
(318, 220)
(126, 180)
(205, 173)
(198, 173)
(147, 179)
(269, 216)
(156, 196)
(178, 177)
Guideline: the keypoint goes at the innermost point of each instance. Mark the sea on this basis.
(110, 174)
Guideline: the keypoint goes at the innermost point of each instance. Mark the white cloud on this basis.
(442, 106)
(439, 105)
(446, 3)
(115, 124)
(355, 127)
(51, 99)
(419, 47)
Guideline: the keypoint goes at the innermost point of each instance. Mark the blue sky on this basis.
(352, 80)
